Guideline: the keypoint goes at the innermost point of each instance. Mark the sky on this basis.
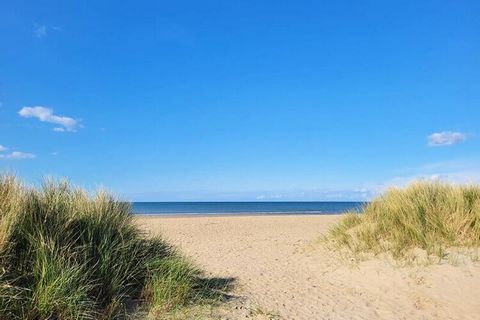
(240, 100)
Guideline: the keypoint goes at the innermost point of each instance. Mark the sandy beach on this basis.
(279, 273)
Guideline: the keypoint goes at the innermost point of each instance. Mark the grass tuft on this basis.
(432, 216)
(172, 284)
(67, 255)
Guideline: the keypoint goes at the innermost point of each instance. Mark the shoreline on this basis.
(234, 214)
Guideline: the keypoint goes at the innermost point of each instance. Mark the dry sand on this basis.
(281, 275)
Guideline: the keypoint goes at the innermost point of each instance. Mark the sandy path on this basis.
(278, 271)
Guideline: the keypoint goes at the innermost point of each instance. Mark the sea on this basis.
(244, 208)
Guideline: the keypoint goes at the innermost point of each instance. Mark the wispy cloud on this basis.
(46, 115)
(40, 31)
(457, 177)
(445, 138)
(457, 171)
(14, 154)
(274, 196)
(17, 155)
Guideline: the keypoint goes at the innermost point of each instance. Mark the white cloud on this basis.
(40, 31)
(2, 148)
(17, 155)
(445, 138)
(46, 115)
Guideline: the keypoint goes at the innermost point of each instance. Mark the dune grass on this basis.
(67, 255)
(432, 216)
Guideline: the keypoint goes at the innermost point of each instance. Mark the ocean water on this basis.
(235, 208)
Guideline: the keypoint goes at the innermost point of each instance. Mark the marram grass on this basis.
(432, 216)
(67, 255)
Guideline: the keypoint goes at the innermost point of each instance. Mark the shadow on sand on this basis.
(208, 291)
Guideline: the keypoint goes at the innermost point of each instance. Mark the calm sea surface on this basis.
(202, 208)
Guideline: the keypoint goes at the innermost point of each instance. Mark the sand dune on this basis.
(280, 275)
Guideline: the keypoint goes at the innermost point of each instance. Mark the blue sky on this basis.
(240, 100)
